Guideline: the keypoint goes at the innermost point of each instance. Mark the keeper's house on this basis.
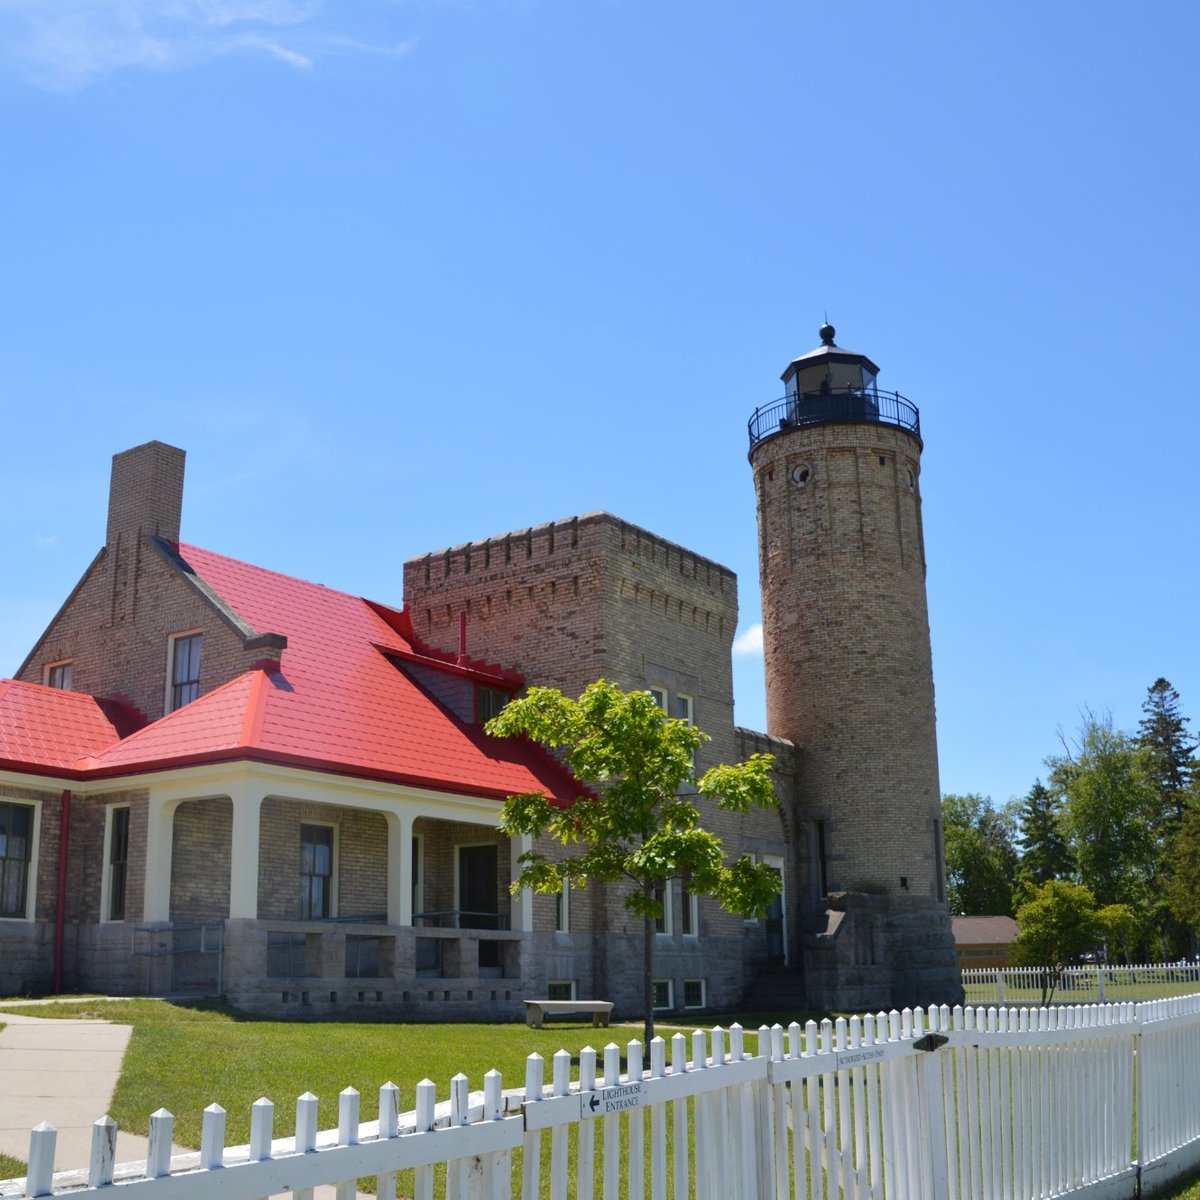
(218, 779)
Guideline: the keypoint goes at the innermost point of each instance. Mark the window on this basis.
(689, 913)
(662, 896)
(693, 993)
(116, 862)
(562, 909)
(489, 702)
(316, 872)
(561, 989)
(659, 696)
(16, 836)
(683, 708)
(664, 994)
(185, 670)
(60, 675)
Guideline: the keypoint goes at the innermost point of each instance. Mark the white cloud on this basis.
(68, 44)
(749, 641)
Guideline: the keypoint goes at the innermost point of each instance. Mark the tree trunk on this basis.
(648, 974)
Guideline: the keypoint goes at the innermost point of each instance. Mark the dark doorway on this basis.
(479, 897)
(776, 946)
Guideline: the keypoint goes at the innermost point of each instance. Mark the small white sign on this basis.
(856, 1058)
(606, 1101)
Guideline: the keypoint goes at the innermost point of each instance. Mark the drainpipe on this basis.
(60, 915)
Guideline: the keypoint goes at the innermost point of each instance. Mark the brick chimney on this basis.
(146, 493)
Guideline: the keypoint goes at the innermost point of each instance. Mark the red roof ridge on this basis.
(256, 709)
(183, 547)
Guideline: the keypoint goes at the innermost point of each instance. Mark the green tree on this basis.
(1056, 924)
(981, 859)
(1045, 854)
(1170, 749)
(639, 824)
(1109, 810)
(1182, 884)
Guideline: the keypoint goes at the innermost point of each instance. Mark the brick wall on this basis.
(846, 633)
(360, 845)
(200, 849)
(590, 597)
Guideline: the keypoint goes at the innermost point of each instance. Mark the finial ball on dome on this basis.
(826, 333)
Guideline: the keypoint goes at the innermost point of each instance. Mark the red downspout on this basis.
(60, 916)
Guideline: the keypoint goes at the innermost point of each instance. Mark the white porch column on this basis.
(160, 828)
(243, 857)
(399, 870)
(522, 904)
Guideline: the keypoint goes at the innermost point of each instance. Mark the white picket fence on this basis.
(1087, 983)
(963, 1104)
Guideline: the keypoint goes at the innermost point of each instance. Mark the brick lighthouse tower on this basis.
(850, 680)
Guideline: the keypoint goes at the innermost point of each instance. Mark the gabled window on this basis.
(16, 839)
(184, 684)
(489, 702)
(60, 675)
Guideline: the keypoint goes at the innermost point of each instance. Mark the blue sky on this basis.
(404, 273)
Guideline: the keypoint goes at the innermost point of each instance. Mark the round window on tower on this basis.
(801, 474)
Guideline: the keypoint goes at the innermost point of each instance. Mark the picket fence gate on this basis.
(962, 1104)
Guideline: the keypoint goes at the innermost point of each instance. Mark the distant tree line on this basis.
(1105, 852)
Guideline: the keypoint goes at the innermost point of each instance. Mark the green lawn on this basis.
(184, 1058)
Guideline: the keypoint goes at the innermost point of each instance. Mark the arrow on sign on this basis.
(594, 1102)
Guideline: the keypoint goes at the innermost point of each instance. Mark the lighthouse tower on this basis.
(849, 675)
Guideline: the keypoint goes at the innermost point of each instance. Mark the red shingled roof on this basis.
(47, 728)
(336, 703)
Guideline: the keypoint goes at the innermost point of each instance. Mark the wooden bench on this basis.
(537, 1010)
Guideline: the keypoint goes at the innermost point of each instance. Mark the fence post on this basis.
(40, 1171)
(1000, 986)
(932, 1107)
(104, 1152)
(531, 1160)
(1100, 982)
(158, 1153)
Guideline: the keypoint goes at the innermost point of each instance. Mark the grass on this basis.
(183, 1058)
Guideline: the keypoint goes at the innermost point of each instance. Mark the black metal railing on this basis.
(841, 406)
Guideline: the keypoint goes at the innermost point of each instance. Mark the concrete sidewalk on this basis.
(65, 1072)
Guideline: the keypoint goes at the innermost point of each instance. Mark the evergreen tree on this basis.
(1170, 750)
(1045, 853)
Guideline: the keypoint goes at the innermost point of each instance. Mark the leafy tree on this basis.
(981, 859)
(1056, 924)
(1182, 883)
(1170, 749)
(1109, 809)
(1045, 853)
(1119, 927)
(635, 826)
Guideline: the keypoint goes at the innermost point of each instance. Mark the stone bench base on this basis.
(537, 1010)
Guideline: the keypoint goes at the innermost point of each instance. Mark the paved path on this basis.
(65, 1072)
